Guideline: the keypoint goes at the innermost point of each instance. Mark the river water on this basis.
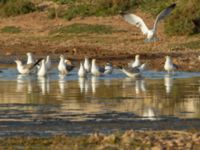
(70, 105)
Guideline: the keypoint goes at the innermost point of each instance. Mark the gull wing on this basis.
(163, 14)
(31, 66)
(137, 21)
(132, 69)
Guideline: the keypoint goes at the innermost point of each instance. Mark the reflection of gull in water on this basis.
(22, 81)
(61, 83)
(149, 113)
(83, 85)
(140, 86)
(44, 85)
(168, 83)
(94, 84)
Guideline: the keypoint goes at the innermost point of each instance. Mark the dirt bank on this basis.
(118, 47)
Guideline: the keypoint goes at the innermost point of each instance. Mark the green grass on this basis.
(16, 7)
(84, 28)
(85, 8)
(10, 29)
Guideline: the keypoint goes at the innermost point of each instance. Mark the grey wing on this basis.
(175, 66)
(163, 14)
(28, 66)
(132, 69)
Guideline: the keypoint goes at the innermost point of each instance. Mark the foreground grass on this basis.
(128, 140)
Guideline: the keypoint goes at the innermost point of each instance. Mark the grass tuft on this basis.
(10, 29)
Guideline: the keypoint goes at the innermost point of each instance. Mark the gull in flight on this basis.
(137, 21)
(169, 65)
(27, 68)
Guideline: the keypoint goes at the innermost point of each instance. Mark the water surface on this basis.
(68, 104)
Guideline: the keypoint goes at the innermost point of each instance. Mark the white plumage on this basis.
(87, 65)
(95, 69)
(62, 66)
(82, 72)
(48, 63)
(43, 70)
(30, 59)
(137, 21)
(169, 66)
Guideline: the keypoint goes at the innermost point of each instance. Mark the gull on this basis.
(82, 71)
(108, 68)
(87, 64)
(43, 69)
(95, 70)
(64, 66)
(136, 63)
(27, 68)
(169, 66)
(48, 63)
(138, 22)
(30, 59)
(131, 72)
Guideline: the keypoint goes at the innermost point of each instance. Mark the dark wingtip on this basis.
(122, 13)
(173, 5)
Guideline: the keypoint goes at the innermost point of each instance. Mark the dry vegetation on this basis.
(130, 140)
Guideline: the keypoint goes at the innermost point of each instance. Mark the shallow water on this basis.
(50, 104)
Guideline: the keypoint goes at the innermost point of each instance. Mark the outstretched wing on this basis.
(163, 14)
(137, 21)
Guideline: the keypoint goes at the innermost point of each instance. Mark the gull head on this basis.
(137, 57)
(168, 58)
(61, 56)
(47, 58)
(68, 62)
(18, 62)
(29, 54)
(93, 61)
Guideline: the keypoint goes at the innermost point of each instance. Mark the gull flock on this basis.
(134, 69)
(42, 67)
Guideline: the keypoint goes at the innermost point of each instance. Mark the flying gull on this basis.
(137, 21)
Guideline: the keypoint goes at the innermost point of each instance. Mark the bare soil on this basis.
(118, 47)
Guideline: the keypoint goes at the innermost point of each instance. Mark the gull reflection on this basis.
(94, 84)
(140, 86)
(83, 85)
(61, 83)
(43, 83)
(24, 83)
(149, 113)
(168, 81)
